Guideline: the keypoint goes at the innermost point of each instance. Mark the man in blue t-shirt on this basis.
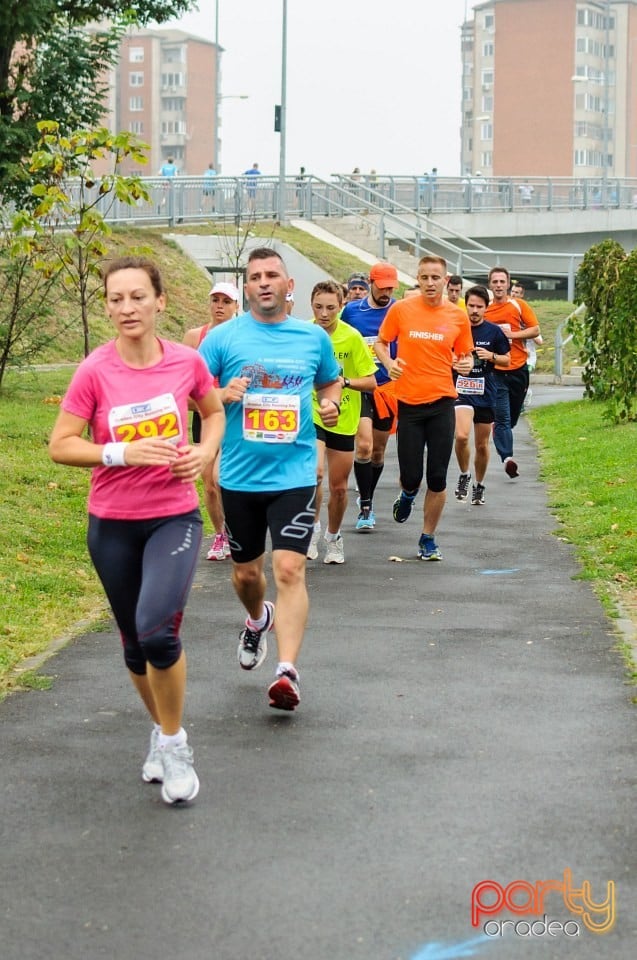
(168, 169)
(267, 364)
(366, 316)
(477, 395)
(253, 175)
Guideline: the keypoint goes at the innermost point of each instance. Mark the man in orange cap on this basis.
(366, 316)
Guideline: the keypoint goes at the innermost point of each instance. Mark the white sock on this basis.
(331, 537)
(286, 667)
(174, 740)
(317, 527)
(261, 622)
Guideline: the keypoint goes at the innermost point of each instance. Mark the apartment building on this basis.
(549, 88)
(164, 89)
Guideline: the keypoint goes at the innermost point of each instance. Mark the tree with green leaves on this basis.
(52, 68)
(29, 299)
(606, 334)
(57, 247)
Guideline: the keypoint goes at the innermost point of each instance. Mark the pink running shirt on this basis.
(123, 403)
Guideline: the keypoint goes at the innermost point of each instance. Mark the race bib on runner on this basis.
(470, 385)
(157, 417)
(271, 417)
(370, 341)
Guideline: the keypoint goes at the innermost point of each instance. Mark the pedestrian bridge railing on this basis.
(198, 198)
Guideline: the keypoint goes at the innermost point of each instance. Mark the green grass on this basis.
(591, 473)
(47, 582)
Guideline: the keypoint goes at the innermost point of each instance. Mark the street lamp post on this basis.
(284, 45)
(217, 93)
(606, 127)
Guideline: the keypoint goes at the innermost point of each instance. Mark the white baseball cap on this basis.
(228, 290)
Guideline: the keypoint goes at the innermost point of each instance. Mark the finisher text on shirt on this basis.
(425, 335)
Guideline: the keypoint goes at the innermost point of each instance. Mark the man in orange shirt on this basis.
(433, 338)
(519, 323)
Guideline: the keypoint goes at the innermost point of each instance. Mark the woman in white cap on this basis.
(224, 302)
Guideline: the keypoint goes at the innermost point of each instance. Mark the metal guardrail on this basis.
(423, 234)
(193, 198)
(403, 207)
(560, 341)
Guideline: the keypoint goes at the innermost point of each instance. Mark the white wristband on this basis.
(113, 455)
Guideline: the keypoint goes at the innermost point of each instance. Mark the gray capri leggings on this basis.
(146, 568)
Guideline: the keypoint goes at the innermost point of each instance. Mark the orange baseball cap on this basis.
(384, 275)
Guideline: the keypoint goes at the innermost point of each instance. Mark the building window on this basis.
(172, 80)
(486, 131)
(487, 78)
(136, 126)
(467, 94)
(174, 54)
(135, 104)
(136, 79)
(486, 158)
(487, 49)
(136, 54)
(173, 104)
(173, 126)
(489, 21)
(487, 103)
(580, 158)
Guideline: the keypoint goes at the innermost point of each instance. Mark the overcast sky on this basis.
(373, 84)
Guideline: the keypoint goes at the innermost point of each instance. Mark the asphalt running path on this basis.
(460, 721)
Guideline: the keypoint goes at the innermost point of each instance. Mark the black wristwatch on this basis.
(347, 383)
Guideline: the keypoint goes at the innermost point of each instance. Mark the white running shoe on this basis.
(312, 550)
(335, 552)
(181, 783)
(216, 551)
(153, 769)
(226, 545)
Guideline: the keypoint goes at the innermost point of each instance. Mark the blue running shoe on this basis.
(366, 521)
(402, 507)
(427, 548)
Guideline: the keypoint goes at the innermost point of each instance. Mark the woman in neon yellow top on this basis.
(337, 445)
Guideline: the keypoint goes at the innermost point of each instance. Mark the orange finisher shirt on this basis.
(428, 338)
(508, 312)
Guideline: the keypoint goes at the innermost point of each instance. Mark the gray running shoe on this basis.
(253, 644)
(477, 495)
(462, 487)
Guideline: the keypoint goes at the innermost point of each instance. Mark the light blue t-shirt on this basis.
(270, 443)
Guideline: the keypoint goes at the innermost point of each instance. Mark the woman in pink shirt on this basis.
(144, 527)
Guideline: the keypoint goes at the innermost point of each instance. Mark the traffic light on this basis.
(277, 118)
